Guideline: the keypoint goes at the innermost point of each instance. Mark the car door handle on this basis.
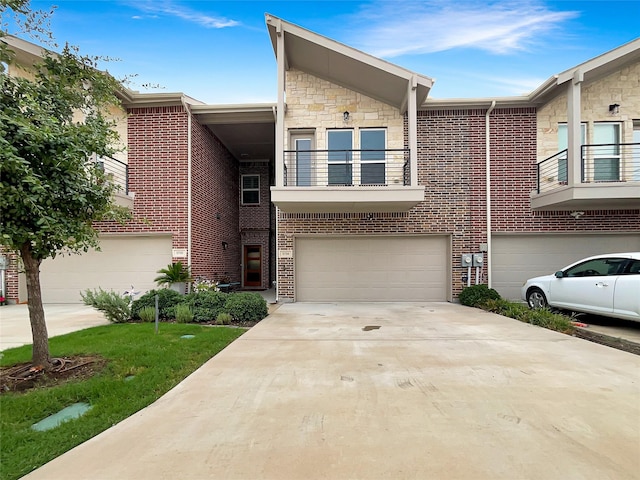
(602, 284)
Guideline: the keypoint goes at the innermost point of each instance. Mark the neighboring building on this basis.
(355, 186)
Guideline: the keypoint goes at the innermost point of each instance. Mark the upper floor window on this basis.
(606, 151)
(250, 189)
(563, 143)
(635, 162)
(373, 143)
(340, 155)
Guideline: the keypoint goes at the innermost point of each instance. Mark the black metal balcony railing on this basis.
(116, 170)
(601, 163)
(316, 168)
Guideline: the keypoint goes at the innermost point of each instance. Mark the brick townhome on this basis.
(356, 186)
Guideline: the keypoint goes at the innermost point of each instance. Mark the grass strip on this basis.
(158, 362)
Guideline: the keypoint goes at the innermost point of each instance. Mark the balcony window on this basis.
(372, 156)
(250, 189)
(635, 158)
(340, 157)
(303, 161)
(606, 152)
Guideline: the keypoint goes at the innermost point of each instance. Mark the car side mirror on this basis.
(559, 274)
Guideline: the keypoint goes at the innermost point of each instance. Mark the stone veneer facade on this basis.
(621, 87)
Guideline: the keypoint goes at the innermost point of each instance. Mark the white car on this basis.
(606, 285)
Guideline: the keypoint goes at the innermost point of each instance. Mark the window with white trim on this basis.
(250, 189)
(606, 151)
(563, 142)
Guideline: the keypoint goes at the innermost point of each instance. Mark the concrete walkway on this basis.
(384, 391)
(15, 329)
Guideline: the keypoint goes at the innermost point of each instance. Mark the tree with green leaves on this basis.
(52, 127)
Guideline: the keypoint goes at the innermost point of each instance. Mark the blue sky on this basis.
(219, 51)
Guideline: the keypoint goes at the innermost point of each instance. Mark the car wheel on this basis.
(536, 299)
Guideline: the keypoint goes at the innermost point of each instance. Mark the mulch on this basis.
(26, 376)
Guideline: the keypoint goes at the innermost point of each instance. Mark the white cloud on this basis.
(169, 8)
(399, 28)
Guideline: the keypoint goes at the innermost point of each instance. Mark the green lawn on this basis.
(158, 363)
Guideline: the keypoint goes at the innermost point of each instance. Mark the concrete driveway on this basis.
(437, 391)
(15, 329)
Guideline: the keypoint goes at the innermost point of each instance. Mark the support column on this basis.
(280, 111)
(412, 119)
(574, 140)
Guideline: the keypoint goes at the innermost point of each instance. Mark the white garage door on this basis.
(519, 257)
(372, 268)
(123, 261)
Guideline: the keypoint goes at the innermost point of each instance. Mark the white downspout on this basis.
(487, 147)
(189, 154)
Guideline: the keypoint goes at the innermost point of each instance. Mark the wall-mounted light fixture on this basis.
(345, 116)
(614, 109)
(225, 245)
(218, 216)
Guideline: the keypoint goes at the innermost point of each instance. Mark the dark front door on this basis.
(252, 266)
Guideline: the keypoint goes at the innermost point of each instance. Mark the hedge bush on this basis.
(246, 306)
(206, 305)
(167, 298)
(476, 295)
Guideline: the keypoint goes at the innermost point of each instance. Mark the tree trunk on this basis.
(40, 355)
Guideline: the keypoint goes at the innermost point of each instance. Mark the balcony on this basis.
(337, 181)
(609, 179)
(118, 172)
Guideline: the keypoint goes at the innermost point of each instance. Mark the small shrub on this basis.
(476, 295)
(246, 306)
(206, 305)
(147, 314)
(223, 319)
(116, 307)
(183, 313)
(166, 298)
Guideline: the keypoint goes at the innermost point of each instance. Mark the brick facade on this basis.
(158, 174)
(256, 220)
(215, 240)
(451, 165)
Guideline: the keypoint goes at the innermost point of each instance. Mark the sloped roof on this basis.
(591, 70)
(345, 66)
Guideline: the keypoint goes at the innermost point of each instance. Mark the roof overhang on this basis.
(26, 53)
(589, 71)
(473, 103)
(345, 66)
(247, 130)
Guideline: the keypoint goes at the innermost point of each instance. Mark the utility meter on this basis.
(466, 260)
(478, 259)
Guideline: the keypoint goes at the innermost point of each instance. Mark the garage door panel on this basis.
(372, 268)
(122, 261)
(515, 258)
